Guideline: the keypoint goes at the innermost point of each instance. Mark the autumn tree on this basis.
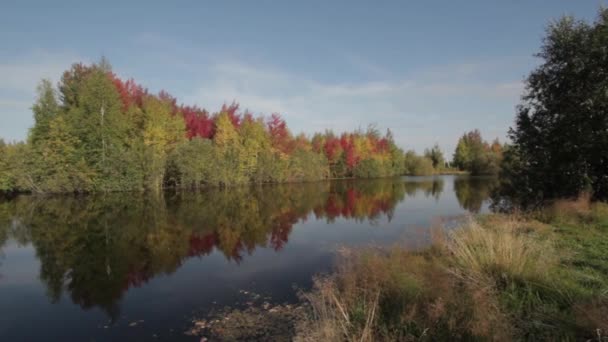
(229, 152)
(194, 160)
(255, 140)
(97, 132)
(280, 136)
(162, 133)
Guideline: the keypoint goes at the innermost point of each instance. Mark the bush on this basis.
(421, 166)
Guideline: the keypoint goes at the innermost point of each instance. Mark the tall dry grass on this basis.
(504, 248)
(578, 212)
(496, 277)
(396, 295)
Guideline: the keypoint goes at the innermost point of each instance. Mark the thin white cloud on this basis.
(23, 74)
(365, 66)
(432, 105)
(18, 80)
(421, 110)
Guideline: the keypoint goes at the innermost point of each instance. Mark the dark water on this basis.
(87, 268)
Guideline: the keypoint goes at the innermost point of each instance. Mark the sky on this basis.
(428, 70)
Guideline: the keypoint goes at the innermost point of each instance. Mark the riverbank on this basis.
(541, 276)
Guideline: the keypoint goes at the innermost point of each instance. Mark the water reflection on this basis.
(94, 248)
(472, 192)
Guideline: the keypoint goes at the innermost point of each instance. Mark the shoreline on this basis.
(12, 194)
(480, 275)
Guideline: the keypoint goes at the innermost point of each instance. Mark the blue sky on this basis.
(428, 70)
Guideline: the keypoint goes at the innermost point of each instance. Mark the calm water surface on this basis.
(139, 267)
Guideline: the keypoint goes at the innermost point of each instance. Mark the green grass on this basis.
(543, 276)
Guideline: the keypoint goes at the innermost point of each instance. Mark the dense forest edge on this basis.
(95, 132)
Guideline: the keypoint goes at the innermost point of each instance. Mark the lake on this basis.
(126, 266)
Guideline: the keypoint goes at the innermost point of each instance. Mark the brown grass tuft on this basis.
(397, 295)
(501, 248)
(495, 277)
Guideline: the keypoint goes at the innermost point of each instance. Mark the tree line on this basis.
(96, 132)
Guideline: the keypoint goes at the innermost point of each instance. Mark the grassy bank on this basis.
(541, 276)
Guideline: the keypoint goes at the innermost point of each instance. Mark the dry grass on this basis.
(503, 249)
(397, 295)
(333, 318)
(344, 304)
(576, 212)
(495, 277)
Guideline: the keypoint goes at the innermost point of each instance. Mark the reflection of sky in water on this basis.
(166, 301)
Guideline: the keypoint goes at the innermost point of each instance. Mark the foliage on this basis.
(475, 155)
(436, 156)
(560, 137)
(415, 165)
(45, 109)
(59, 166)
(162, 132)
(307, 166)
(193, 160)
(11, 158)
(97, 132)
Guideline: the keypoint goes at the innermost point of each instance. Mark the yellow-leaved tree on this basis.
(162, 132)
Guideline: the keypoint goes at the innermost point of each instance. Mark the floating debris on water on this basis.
(258, 321)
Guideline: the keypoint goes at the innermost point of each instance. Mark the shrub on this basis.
(418, 166)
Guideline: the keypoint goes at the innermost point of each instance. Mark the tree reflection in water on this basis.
(472, 192)
(96, 247)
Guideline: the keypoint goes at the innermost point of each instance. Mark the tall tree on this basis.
(45, 109)
(560, 137)
(98, 123)
(162, 133)
(231, 166)
(254, 140)
(58, 167)
(469, 147)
